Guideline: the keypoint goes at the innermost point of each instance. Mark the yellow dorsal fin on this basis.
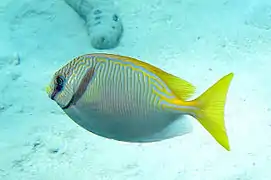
(181, 88)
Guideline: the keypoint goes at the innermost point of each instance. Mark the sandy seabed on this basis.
(198, 41)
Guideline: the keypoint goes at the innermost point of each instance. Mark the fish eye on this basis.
(59, 83)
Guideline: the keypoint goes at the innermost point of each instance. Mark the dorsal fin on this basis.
(181, 88)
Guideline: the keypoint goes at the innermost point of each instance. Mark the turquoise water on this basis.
(200, 41)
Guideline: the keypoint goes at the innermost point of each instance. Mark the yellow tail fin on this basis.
(210, 111)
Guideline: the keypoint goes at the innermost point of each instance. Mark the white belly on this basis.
(154, 126)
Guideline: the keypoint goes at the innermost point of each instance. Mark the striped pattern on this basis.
(73, 72)
(76, 69)
(126, 89)
(119, 87)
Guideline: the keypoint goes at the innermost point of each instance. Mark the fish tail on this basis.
(210, 110)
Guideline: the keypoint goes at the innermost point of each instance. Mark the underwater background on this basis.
(200, 41)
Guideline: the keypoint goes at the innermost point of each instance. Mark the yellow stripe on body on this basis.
(126, 75)
(141, 83)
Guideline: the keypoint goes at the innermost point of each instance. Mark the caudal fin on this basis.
(210, 111)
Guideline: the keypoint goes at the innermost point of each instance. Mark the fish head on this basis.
(71, 81)
(60, 89)
(63, 84)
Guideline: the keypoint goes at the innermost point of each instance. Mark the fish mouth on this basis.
(47, 89)
(51, 94)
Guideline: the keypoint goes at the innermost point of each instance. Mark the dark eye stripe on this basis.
(53, 95)
(59, 84)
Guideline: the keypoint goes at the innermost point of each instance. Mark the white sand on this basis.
(199, 41)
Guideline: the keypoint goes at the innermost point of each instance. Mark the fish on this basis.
(125, 99)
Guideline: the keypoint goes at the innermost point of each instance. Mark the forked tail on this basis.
(210, 111)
